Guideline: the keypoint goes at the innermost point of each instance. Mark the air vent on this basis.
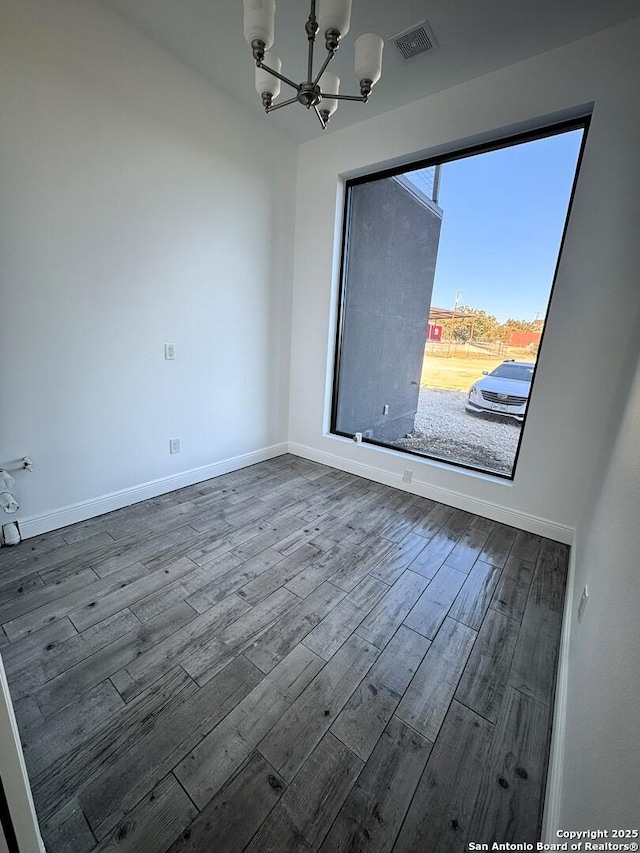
(414, 41)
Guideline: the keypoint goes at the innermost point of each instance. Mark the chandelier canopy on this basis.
(320, 91)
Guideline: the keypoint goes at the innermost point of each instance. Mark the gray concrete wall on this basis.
(393, 246)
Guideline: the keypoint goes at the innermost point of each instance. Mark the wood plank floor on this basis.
(284, 658)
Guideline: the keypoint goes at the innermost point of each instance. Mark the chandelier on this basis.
(319, 91)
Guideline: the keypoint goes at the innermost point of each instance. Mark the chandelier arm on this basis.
(320, 119)
(282, 104)
(279, 76)
(362, 98)
(312, 30)
(310, 60)
(330, 56)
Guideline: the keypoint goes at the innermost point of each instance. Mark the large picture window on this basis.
(447, 273)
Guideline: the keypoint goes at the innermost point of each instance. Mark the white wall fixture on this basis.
(8, 503)
(583, 602)
(11, 534)
(319, 91)
(6, 480)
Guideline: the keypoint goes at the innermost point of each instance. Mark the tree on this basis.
(474, 324)
(521, 325)
(478, 325)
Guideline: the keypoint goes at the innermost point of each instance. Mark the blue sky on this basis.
(504, 214)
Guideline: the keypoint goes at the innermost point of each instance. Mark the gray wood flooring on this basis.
(285, 658)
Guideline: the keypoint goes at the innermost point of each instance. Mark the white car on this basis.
(504, 391)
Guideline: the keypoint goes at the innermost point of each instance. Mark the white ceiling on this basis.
(473, 37)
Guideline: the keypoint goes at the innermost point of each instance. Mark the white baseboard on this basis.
(555, 771)
(35, 525)
(497, 512)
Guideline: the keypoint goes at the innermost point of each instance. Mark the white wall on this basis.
(600, 750)
(137, 206)
(596, 288)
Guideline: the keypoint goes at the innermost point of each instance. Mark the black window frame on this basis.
(580, 122)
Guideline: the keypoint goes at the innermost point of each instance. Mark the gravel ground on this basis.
(446, 430)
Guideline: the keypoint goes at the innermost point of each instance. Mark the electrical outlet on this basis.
(174, 445)
(170, 352)
(583, 602)
(407, 476)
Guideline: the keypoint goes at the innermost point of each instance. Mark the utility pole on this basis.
(453, 316)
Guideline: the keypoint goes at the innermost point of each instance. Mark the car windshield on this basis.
(523, 372)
